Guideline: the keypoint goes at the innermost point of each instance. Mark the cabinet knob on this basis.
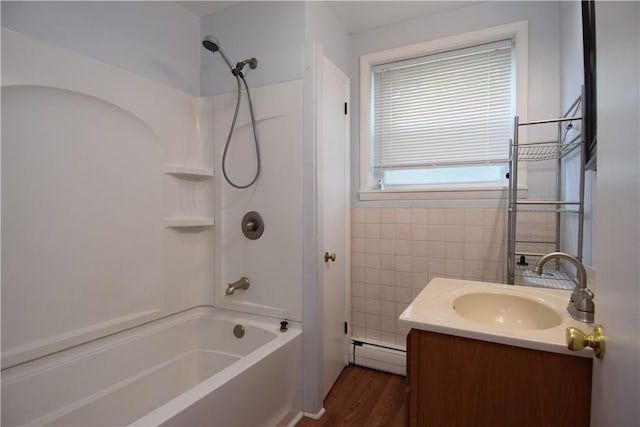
(577, 340)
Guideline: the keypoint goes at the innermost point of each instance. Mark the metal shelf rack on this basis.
(524, 250)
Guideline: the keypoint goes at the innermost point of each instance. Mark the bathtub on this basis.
(188, 369)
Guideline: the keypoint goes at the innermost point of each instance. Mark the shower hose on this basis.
(255, 136)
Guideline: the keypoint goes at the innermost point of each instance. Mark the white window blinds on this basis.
(447, 109)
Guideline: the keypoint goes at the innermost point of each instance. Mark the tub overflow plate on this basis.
(238, 331)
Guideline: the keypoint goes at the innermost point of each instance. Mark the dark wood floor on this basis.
(364, 397)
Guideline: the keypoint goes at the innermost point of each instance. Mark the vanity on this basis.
(483, 354)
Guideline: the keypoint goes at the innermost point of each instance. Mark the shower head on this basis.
(213, 45)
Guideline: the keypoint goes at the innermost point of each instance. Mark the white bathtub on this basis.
(188, 369)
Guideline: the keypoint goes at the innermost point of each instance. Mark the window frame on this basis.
(517, 31)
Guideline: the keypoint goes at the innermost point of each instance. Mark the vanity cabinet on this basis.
(455, 381)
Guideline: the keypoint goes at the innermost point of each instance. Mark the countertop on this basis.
(432, 310)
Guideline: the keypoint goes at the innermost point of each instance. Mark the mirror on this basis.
(589, 56)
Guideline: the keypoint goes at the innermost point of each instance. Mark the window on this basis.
(440, 120)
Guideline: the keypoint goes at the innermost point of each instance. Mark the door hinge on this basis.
(345, 328)
(345, 108)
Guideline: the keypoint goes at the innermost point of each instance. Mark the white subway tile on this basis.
(359, 319)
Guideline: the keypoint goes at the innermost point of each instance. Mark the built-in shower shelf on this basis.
(189, 172)
(185, 222)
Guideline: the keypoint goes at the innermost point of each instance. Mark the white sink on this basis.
(522, 316)
(506, 311)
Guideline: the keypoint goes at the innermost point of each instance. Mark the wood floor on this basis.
(364, 397)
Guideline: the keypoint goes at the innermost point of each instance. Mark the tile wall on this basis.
(396, 251)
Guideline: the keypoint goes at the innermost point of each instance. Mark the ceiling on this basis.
(357, 16)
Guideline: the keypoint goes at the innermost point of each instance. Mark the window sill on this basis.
(484, 193)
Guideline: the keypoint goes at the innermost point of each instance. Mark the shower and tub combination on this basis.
(187, 369)
(87, 341)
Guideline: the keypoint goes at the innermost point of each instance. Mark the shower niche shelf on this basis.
(189, 222)
(187, 172)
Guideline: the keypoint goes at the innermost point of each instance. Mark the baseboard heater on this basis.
(378, 356)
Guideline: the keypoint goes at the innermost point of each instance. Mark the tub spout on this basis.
(243, 283)
(581, 305)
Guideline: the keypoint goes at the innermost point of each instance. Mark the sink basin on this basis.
(506, 311)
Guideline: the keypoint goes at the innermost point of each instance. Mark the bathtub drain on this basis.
(238, 331)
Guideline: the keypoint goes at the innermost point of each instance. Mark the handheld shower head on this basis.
(213, 45)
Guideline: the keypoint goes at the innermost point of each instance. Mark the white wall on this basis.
(85, 197)
(272, 32)
(273, 263)
(544, 81)
(324, 27)
(615, 391)
(158, 40)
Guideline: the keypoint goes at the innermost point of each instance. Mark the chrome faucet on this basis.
(243, 283)
(581, 305)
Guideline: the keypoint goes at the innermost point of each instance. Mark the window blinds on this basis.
(444, 109)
